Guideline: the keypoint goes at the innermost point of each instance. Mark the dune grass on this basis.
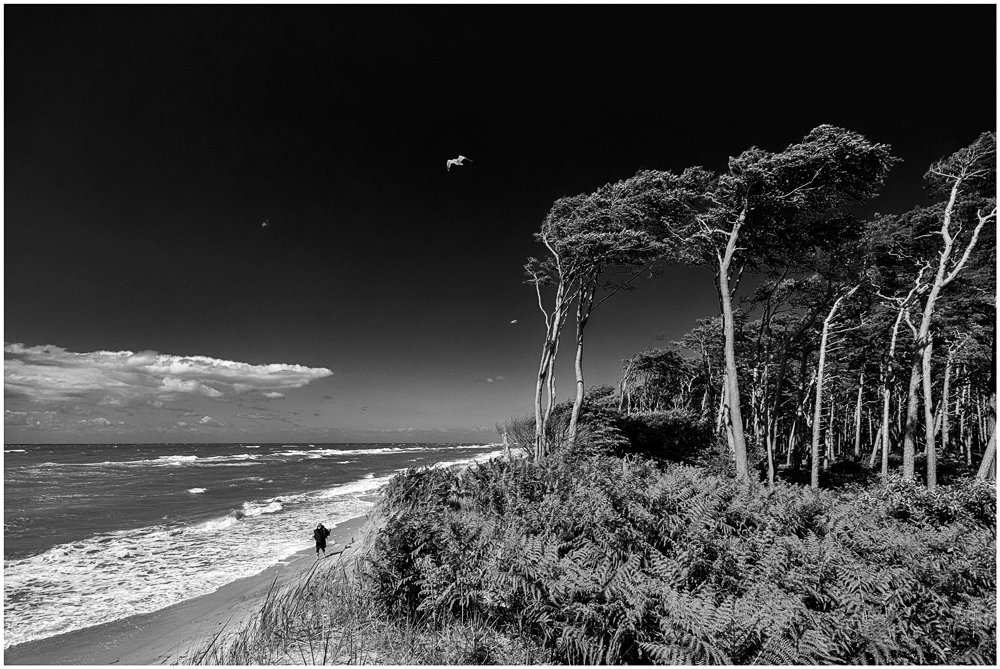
(329, 617)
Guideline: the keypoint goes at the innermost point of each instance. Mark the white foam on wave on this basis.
(364, 486)
(171, 459)
(250, 509)
(195, 491)
(217, 524)
(319, 452)
(13, 450)
(116, 575)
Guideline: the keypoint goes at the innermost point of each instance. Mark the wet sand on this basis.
(170, 635)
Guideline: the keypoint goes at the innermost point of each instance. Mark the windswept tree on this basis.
(597, 244)
(766, 210)
(966, 182)
(559, 269)
(612, 232)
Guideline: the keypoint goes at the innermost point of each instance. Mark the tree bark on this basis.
(931, 442)
(986, 467)
(910, 426)
(945, 400)
(585, 302)
(857, 417)
(732, 381)
(546, 367)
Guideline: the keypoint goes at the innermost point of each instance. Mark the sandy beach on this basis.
(169, 635)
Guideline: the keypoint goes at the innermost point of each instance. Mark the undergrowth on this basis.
(603, 559)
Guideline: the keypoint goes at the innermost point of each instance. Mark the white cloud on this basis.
(53, 374)
(15, 417)
(274, 395)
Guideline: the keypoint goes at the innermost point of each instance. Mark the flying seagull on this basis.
(513, 321)
(456, 161)
(265, 224)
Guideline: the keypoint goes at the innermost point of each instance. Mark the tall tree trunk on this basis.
(876, 444)
(795, 435)
(546, 367)
(910, 429)
(543, 370)
(585, 303)
(987, 466)
(817, 411)
(945, 400)
(857, 417)
(962, 420)
(931, 442)
(732, 381)
(720, 415)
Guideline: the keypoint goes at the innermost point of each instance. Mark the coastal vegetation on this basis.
(806, 478)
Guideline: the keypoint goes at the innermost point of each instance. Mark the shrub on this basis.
(676, 435)
(612, 560)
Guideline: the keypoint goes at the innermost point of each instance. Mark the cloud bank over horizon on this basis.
(50, 374)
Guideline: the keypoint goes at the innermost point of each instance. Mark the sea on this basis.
(95, 533)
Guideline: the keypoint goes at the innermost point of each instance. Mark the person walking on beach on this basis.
(320, 534)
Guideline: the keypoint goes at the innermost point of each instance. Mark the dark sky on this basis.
(145, 146)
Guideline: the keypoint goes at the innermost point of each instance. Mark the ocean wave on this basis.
(116, 575)
(171, 459)
(250, 509)
(13, 450)
(354, 451)
(195, 491)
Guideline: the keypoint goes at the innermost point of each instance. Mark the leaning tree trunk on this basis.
(987, 466)
(546, 367)
(818, 407)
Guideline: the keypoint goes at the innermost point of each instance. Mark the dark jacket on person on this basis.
(320, 534)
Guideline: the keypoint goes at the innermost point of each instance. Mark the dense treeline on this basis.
(869, 340)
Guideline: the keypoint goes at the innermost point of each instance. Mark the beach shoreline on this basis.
(171, 634)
